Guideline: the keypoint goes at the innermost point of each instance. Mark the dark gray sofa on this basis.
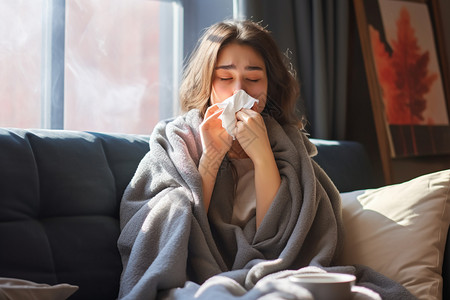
(60, 195)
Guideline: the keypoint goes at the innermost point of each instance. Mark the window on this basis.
(104, 65)
(117, 67)
(20, 58)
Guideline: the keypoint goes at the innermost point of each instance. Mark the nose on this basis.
(239, 85)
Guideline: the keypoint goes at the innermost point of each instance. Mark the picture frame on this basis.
(406, 70)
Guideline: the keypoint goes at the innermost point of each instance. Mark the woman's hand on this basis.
(215, 140)
(251, 134)
(215, 143)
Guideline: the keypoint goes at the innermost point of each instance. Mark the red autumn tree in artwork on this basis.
(403, 75)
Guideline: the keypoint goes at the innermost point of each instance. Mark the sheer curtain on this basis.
(120, 72)
(20, 57)
(314, 34)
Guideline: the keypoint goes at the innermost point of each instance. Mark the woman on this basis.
(209, 216)
(249, 60)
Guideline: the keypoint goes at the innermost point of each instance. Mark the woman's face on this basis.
(239, 67)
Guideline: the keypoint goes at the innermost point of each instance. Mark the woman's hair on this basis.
(283, 88)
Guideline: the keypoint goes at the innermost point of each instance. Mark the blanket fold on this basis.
(172, 249)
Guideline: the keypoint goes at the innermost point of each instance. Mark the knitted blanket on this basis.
(172, 249)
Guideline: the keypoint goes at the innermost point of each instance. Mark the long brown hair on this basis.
(283, 89)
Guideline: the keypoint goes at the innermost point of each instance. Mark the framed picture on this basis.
(403, 56)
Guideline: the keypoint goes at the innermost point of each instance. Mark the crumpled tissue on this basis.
(231, 106)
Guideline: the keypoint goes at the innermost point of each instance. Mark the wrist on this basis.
(210, 163)
(264, 160)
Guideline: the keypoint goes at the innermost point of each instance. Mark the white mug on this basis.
(326, 286)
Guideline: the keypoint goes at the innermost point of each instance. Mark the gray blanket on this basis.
(172, 249)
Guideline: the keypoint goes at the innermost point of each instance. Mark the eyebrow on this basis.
(233, 67)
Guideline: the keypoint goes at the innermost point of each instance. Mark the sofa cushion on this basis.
(347, 164)
(401, 231)
(59, 206)
(18, 289)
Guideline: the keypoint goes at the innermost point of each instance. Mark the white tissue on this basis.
(231, 106)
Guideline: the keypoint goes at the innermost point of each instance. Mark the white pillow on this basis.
(19, 289)
(400, 231)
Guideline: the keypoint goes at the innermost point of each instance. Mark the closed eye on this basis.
(227, 78)
(253, 80)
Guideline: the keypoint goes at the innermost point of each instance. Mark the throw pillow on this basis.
(400, 231)
(18, 289)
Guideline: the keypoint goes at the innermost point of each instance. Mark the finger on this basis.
(245, 114)
(213, 112)
(241, 115)
(239, 125)
(210, 110)
(240, 130)
(252, 112)
(235, 131)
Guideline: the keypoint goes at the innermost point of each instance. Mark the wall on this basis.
(360, 122)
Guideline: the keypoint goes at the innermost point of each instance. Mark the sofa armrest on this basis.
(59, 207)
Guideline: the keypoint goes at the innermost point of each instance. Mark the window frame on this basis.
(52, 64)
